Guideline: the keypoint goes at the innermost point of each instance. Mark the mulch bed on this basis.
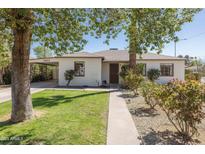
(153, 125)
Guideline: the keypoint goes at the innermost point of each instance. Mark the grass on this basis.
(69, 117)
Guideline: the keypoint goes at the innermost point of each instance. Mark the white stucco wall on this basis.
(179, 69)
(96, 71)
(105, 72)
(55, 73)
(93, 69)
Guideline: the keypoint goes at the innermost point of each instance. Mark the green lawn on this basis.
(67, 117)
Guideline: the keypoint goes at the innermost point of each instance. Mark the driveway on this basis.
(5, 93)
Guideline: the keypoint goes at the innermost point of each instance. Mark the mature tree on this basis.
(193, 61)
(146, 29)
(180, 56)
(60, 30)
(197, 62)
(43, 52)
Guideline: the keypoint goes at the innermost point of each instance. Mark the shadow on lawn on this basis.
(59, 99)
(5, 124)
(11, 138)
(165, 138)
(50, 101)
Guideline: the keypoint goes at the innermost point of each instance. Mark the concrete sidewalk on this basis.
(121, 127)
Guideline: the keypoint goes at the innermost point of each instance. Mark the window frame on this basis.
(144, 69)
(79, 62)
(172, 70)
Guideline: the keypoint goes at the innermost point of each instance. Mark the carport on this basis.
(51, 62)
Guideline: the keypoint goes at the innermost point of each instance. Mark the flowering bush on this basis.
(193, 76)
(132, 81)
(138, 69)
(132, 77)
(183, 102)
(149, 92)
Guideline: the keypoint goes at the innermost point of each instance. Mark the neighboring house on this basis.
(193, 69)
(93, 69)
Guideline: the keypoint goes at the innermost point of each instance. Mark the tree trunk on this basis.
(132, 59)
(133, 39)
(21, 97)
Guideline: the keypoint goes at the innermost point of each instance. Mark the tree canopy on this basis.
(42, 52)
(60, 30)
(146, 29)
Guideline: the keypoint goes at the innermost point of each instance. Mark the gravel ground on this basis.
(153, 125)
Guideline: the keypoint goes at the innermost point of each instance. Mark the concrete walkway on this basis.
(5, 93)
(121, 127)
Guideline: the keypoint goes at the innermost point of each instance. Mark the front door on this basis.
(114, 73)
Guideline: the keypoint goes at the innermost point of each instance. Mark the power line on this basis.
(175, 48)
(195, 35)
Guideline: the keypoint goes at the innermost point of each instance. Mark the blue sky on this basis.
(194, 32)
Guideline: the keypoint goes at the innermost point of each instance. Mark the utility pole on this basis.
(175, 45)
(175, 48)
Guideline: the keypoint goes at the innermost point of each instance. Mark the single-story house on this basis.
(93, 69)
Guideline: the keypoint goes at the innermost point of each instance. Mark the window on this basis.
(167, 69)
(79, 68)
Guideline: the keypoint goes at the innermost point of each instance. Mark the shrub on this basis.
(69, 75)
(183, 102)
(193, 76)
(124, 71)
(133, 80)
(138, 69)
(153, 74)
(7, 77)
(149, 92)
(38, 77)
